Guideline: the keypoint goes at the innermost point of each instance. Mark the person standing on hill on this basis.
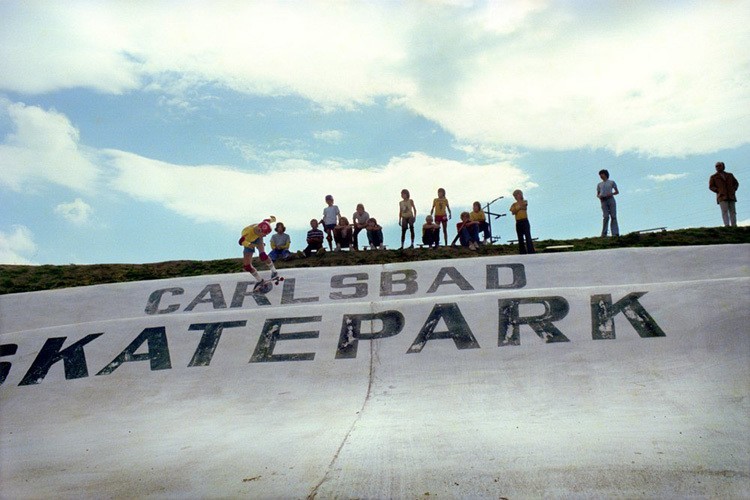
(407, 215)
(331, 214)
(523, 227)
(442, 210)
(725, 185)
(606, 191)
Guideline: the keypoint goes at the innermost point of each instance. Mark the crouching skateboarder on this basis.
(252, 238)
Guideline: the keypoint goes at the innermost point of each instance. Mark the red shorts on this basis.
(441, 218)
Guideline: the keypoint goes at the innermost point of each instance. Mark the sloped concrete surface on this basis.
(628, 376)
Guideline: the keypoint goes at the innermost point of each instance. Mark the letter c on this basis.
(152, 306)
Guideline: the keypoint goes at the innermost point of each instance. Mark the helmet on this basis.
(265, 227)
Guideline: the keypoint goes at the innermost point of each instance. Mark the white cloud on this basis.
(17, 246)
(652, 82)
(295, 193)
(484, 151)
(267, 154)
(43, 147)
(638, 77)
(78, 211)
(666, 177)
(46, 149)
(47, 46)
(329, 136)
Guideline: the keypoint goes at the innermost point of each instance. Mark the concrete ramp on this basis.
(623, 372)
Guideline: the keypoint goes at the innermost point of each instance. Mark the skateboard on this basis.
(265, 285)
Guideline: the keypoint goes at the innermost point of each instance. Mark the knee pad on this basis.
(263, 256)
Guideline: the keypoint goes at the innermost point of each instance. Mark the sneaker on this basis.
(274, 273)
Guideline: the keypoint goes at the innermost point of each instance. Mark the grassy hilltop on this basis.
(16, 279)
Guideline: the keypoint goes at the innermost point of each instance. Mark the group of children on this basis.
(338, 230)
(468, 229)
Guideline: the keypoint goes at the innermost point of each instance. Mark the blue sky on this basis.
(154, 131)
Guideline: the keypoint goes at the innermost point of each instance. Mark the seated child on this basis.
(359, 219)
(342, 234)
(477, 214)
(430, 232)
(280, 243)
(374, 234)
(468, 232)
(314, 239)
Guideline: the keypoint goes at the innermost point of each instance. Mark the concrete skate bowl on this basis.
(609, 373)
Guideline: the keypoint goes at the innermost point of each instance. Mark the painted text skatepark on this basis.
(622, 372)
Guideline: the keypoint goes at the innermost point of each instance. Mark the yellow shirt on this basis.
(440, 205)
(520, 212)
(477, 216)
(251, 234)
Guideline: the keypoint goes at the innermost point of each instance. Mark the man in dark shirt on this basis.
(725, 186)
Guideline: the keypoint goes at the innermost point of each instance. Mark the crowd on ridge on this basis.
(339, 230)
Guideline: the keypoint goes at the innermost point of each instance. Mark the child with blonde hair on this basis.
(523, 227)
(430, 233)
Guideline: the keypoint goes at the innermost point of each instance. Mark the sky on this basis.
(150, 131)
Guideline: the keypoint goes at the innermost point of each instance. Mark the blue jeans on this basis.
(523, 231)
(375, 237)
(469, 234)
(279, 254)
(609, 211)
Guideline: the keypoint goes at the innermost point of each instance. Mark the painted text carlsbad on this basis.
(507, 312)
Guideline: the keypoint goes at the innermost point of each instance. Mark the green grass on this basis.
(16, 279)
